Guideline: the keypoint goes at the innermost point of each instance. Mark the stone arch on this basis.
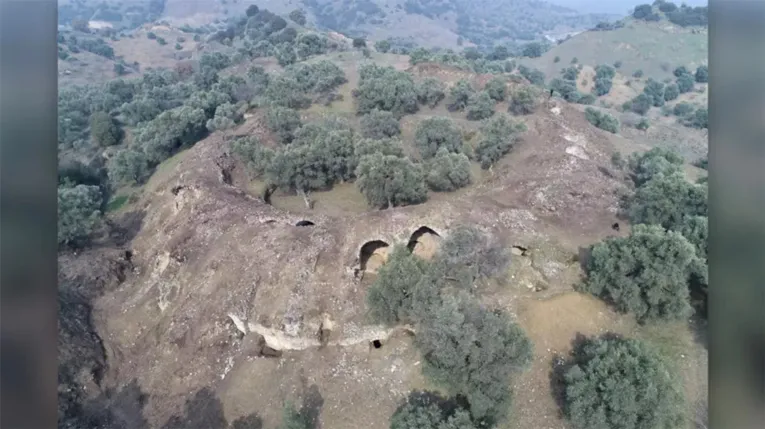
(424, 242)
(373, 254)
(305, 223)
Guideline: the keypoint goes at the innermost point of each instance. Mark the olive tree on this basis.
(128, 167)
(79, 213)
(390, 296)
(435, 133)
(104, 130)
(644, 166)
(602, 120)
(471, 251)
(523, 101)
(480, 106)
(430, 92)
(667, 200)
(646, 273)
(386, 89)
(473, 352)
(283, 121)
(497, 88)
(379, 124)
(389, 181)
(253, 154)
(619, 382)
(498, 136)
(426, 410)
(448, 171)
(459, 95)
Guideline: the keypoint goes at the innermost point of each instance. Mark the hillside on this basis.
(656, 48)
(267, 227)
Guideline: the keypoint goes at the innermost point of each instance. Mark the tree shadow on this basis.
(312, 405)
(425, 398)
(118, 408)
(203, 411)
(584, 254)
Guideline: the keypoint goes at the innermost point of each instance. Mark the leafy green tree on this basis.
(570, 73)
(379, 124)
(473, 351)
(104, 130)
(227, 116)
(298, 17)
(702, 74)
(390, 296)
(359, 42)
(667, 200)
(499, 53)
(682, 109)
(646, 273)
(435, 133)
(79, 214)
(384, 146)
(602, 120)
(685, 83)
(640, 104)
(129, 167)
(256, 157)
(523, 101)
(617, 64)
(171, 130)
(647, 165)
(643, 124)
(671, 92)
(532, 50)
(425, 410)
(480, 106)
(699, 119)
(386, 89)
(430, 92)
(617, 382)
(472, 53)
(252, 10)
(681, 71)
(655, 91)
(586, 99)
(448, 171)
(389, 181)
(459, 95)
(602, 86)
(499, 135)
(286, 55)
(468, 251)
(382, 46)
(286, 91)
(496, 88)
(535, 76)
(604, 71)
(566, 89)
(308, 44)
(283, 121)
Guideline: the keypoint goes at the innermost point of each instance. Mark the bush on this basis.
(161, 41)
(617, 64)
(685, 83)
(79, 214)
(428, 411)
(227, 116)
(292, 418)
(151, 35)
(104, 130)
(379, 124)
(647, 165)
(682, 109)
(667, 200)
(382, 46)
(566, 88)
(523, 101)
(637, 74)
(586, 99)
(435, 133)
(459, 95)
(532, 50)
(671, 92)
(283, 121)
(667, 7)
(480, 106)
(499, 135)
(601, 120)
(702, 74)
(171, 130)
(474, 254)
(390, 181)
(359, 42)
(496, 88)
(699, 119)
(473, 352)
(602, 86)
(617, 382)
(574, 60)
(386, 89)
(655, 92)
(646, 273)
(643, 124)
(298, 17)
(253, 155)
(390, 296)
(252, 10)
(681, 71)
(430, 92)
(536, 77)
(448, 171)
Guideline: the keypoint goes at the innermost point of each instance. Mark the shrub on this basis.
(473, 253)
(654, 90)
(566, 88)
(435, 133)
(702, 74)
(390, 181)
(480, 106)
(532, 50)
(556, 59)
(602, 86)
(428, 411)
(390, 296)
(382, 46)
(252, 10)
(379, 124)
(499, 135)
(682, 109)
(637, 74)
(227, 115)
(699, 119)
(359, 42)
(161, 41)
(473, 352)
(298, 17)
(667, 200)
(459, 95)
(681, 71)
(685, 83)
(570, 73)
(430, 92)
(617, 382)
(536, 77)
(103, 130)
(646, 273)
(79, 214)
(496, 88)
(448, 171)
(574, 60)
(253, 154)
(601, 120)
(617, 64)
(151, 35)
(586, 99)
(643, 124)
(523, 101)
(671, 92)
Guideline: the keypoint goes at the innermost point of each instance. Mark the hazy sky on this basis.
(614, 6)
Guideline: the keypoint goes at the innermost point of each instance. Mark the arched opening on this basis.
(373, 254)
(377, 344)
(305, 223)
(519, 250)
(615, 226)
(424, 242)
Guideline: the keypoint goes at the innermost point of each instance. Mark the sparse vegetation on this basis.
(79, 214)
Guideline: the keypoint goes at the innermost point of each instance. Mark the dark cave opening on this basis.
(305, 223)
(615, 226)
(377, 344)
(370, 254)
(419, 233)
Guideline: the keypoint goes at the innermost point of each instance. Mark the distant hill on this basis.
(655, 47)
